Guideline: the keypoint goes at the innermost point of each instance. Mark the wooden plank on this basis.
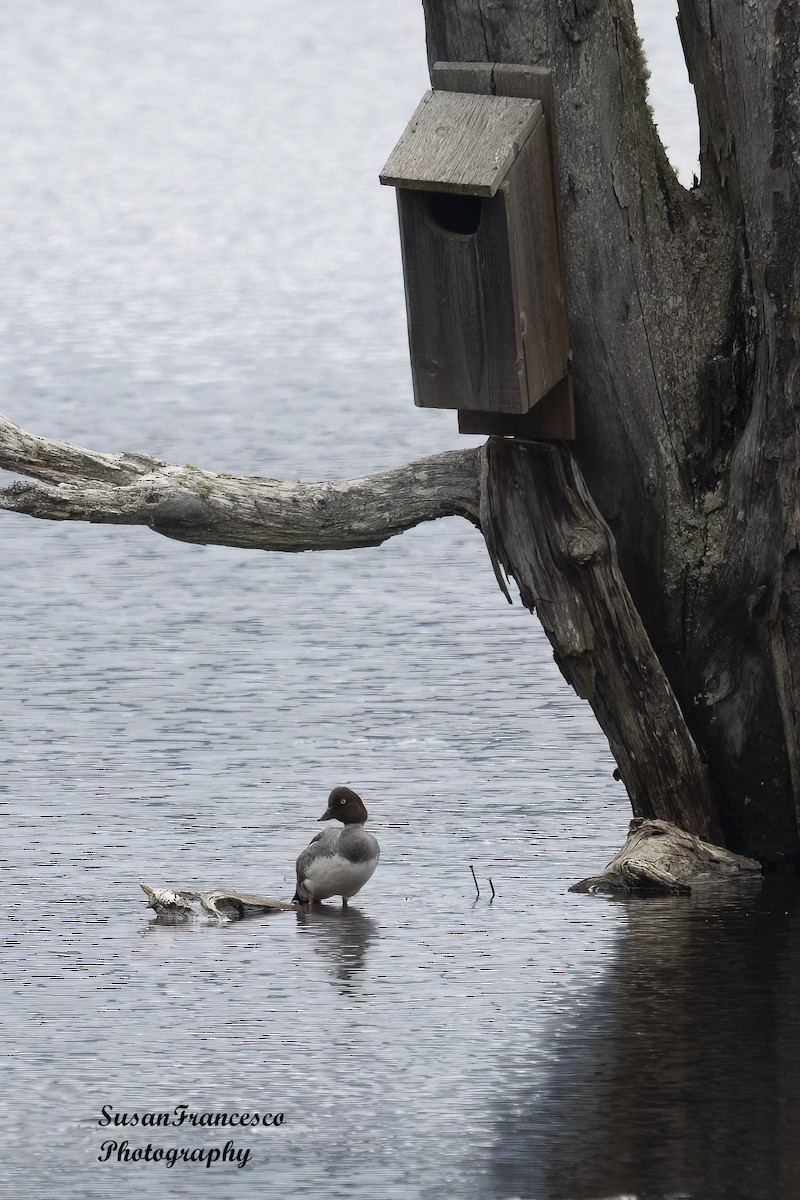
(536, 271)
(464, 77)
(535, 83)
(461, 331)
(457, 289)
(552, 419)
(461, 143)
(539, 277)
(486, 316)
(509, 79)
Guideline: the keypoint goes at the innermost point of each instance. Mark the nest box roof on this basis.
(459, 142)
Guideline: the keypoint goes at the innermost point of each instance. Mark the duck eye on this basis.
(342, 800)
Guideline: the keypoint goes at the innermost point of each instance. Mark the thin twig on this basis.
(477, 889)
(494, 893)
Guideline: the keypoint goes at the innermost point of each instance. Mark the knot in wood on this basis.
(584, 546)
(180, 509)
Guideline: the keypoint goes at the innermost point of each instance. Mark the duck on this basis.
(338, 862)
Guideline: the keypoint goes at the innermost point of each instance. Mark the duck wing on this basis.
(324, 845)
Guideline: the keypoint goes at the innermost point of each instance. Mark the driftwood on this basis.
(660, 858)
(176, 908)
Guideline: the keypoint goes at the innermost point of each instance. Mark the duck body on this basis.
(338, 862)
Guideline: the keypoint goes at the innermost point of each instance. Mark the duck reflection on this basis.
(681, 1076)
(342, 936)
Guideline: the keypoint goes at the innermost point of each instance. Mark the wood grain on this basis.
(213, 508)
(658, 857)
(175, 907)
(509, 79)
(460, 307)
(460, 143)
(552, 419)
(537, 278)
(543, 529)
(537, 260)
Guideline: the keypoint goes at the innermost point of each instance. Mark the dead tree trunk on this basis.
(684, 320)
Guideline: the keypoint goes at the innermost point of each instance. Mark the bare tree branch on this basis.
(213, 508)
(529, 500)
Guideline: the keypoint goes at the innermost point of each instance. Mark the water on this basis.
(197, 262)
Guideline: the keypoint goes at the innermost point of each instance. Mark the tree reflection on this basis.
(681, 1077)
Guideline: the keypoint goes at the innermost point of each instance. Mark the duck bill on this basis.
(328, 815)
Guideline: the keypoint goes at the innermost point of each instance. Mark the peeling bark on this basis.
(223, 905)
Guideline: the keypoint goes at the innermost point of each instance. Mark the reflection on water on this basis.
(341, 936)
(680, 1075)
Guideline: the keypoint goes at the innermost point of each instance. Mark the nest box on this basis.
(482, 262)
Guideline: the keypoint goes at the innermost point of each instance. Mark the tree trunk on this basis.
(542, 527)
(684, 325)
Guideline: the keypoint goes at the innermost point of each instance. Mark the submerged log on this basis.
(660, 858)
(223, 905)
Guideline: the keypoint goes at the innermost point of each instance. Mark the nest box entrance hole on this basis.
(449, 212)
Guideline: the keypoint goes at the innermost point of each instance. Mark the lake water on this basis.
(197, 262)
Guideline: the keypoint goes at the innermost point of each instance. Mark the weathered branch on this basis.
(213, 508)
(543, 528)
(704, 62)
(539, 522)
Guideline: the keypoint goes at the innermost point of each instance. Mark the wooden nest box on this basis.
(482, 261)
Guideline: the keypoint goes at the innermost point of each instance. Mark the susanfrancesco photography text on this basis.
(122, 1150)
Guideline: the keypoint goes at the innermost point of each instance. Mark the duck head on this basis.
(346, 806)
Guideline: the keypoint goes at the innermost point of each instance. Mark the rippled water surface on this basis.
(197, 262)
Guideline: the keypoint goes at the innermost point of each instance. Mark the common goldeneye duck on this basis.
(338, 862)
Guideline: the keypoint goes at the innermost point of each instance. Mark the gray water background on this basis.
(196, 261)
